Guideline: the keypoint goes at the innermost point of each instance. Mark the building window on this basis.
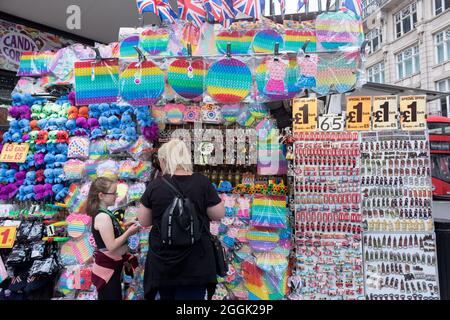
(442, 43)
(408, 62)
(369, 6)
(444, 86)
(375, 38)
(405, 20)
(440, 6)
(376, 73)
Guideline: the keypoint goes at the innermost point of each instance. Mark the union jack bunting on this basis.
(214, 10)
(353, 5)
(228, 9)
(159, 7)
(251, 8)
(301, 4)
(192, 10)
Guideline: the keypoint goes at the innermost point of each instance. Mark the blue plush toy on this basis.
(61, 123)
(51, 124)
(24, 126)
(71, 126)
(62, 148)
(143, 116)
(30, 178)
(105, 109)
(40, 147)
(60, 191)
(10, 175)
(58, 175)
(42, 124)
(94, 111)
(126, 121)
(113, 122)
(16, 137)
(29, 162)
(104, 124)
(60, 159)
(130, 134)
(29, 192)
(7, 137)
(96, 133)
(115, 133)
(49, 160)
(48, 173)
(115, 109)
(125, 108)
(3, 175)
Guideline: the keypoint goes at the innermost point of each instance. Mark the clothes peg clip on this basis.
(140, 54)
(229, 49)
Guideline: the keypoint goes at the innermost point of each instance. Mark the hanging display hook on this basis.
(229, 49)
(140, 53)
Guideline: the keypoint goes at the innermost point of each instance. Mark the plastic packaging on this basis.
(142, 83)
(336, 30)
(34, 64)
(154, 40)
(269, 211)
(96, 81)
(78, 148)
(186, 77)
(229, 80)
(297, 34)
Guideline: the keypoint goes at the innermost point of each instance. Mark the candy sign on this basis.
(13, 44)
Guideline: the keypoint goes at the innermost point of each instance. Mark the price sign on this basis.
(384, 115)
(14, 152)
(304, 115)
(412, 112)
(358, 113)
(7, 237)
(331, 122)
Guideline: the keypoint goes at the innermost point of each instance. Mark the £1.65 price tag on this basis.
(331, 122)
(412, 112)
(384, 116)
(358, 113)
(7, 237)
(304, 114)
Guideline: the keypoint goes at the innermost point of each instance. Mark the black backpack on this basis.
(180, 224)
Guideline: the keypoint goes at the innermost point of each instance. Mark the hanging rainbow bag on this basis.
(96, 81)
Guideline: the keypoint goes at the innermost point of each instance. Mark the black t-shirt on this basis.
(170, 266)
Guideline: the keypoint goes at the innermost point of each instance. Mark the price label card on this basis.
(304, 115)
(358, 113)
(331, 122)
(384, 115)
(412, 112)
(14, 152)
(7, 237)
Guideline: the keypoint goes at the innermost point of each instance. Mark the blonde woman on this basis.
(179, 273)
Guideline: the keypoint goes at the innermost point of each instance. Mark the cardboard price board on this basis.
(358, 113)
(7, 237)
(304, 115)
(412, 112)
(384, 114)
(14, 152)
(331, 122)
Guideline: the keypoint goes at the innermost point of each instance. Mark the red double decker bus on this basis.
(439, 129)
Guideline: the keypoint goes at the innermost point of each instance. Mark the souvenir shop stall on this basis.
(337, 206)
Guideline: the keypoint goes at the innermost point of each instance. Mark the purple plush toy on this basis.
(20, 177)
(93, 123)
(39, 159)
(150, 132)
(39, 192)
(14, 112)
(81, 122)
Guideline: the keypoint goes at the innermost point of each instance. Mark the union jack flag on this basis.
(192, 10)
(214, 10)
(282, 6)
(353, 5)
(228, 9)
(250, 8)
(301, 4)
(159, 7)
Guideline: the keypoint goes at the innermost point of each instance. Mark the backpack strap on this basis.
(177, 192)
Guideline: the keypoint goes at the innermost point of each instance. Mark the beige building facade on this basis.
(409, 45)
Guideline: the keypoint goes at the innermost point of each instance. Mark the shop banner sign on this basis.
(16, 39)
(7, 237)
(413, 112)
(14, 152)
(304, 114)
(384, 113)
(331, 122)
(358, 113)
